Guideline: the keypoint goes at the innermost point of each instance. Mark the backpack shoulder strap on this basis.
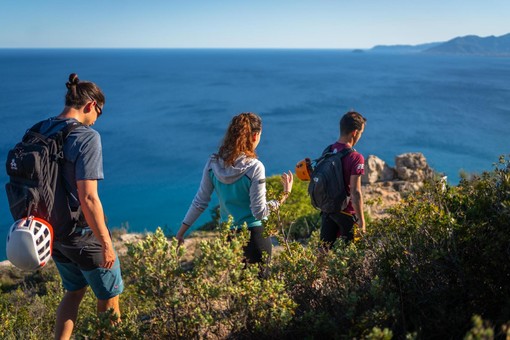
(64, 132)
(325, 154)
(69, 128)
(327, 150)
(345, 152)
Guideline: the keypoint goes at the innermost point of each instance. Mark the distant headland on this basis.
(470, 44)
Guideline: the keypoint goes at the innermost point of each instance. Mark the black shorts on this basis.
(337, 225)
(81, 248)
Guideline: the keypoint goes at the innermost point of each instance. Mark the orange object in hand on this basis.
(304, 169)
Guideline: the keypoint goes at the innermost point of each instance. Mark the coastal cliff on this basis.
(475, 45)
(465, 45)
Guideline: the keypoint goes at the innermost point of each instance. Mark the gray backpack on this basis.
(36, 187)
(327, 188)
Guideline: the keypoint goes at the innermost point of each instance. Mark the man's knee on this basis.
(111, 303)
(76, 294)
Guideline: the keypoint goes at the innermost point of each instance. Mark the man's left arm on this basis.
(93, 212)
(357, 200)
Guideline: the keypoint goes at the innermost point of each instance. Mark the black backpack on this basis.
(36, 187)
(327, 188)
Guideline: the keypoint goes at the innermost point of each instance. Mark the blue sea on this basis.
(167, 110)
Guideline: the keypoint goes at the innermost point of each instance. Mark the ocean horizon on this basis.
(167, 110)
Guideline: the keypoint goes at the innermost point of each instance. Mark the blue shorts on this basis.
(78, 259)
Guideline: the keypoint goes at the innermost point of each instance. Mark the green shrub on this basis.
(218, 296)
(29, 311)
(297, 218)
(446, 255)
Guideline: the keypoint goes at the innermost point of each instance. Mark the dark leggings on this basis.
(255, 249)
(337, 225)
(258, 245)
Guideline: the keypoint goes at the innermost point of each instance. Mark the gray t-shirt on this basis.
(83, 154)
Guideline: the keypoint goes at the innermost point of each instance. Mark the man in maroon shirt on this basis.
(340, 224)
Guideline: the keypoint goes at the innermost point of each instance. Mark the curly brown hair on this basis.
(238, 138)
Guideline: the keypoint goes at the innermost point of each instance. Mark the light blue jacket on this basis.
(241, 191)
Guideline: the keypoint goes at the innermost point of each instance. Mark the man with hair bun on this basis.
(83, 250)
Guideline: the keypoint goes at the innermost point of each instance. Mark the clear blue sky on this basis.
(246, 23)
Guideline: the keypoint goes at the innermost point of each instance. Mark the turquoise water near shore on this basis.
(167, 110)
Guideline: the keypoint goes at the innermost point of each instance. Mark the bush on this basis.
(218, 296)
(29, 311)
(446, 253)
(297, 218)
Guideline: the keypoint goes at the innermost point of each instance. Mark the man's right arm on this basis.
(93, 212)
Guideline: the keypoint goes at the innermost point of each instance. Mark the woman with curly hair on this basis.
(239, 180)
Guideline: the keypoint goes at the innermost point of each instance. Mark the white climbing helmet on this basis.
(29, 243)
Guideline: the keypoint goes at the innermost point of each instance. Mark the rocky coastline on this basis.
(384, 186)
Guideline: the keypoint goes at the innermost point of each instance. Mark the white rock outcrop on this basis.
(376, 170)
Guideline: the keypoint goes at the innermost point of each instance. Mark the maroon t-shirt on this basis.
(352, 164)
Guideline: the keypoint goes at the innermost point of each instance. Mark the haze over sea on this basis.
(167, 110)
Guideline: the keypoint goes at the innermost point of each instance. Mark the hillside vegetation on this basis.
(438, 266)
